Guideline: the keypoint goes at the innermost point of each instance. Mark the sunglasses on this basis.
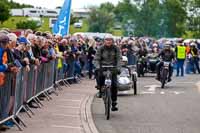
(109, 39)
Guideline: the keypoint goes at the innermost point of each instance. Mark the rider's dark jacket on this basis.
(107, 56)
(143, 52)
(167, 55)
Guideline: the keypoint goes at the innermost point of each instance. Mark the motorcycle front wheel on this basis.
(164, 77)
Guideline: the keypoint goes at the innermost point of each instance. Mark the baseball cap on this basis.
(22, 40)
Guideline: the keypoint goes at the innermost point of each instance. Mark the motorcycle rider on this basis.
(168, 55)
(124, 47)
(155, 49)
(108, 54)
(124, 63)
(142, 53)
(142, 50)
(154, 52)
(153, 58)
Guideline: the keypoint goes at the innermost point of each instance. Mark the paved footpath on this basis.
(70, 112)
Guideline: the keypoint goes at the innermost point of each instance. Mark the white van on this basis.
(52, 21)
(16, 12)
(78, 25)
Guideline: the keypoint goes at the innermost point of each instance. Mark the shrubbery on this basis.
(29, 24)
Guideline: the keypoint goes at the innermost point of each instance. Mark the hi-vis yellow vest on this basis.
(60, 63)
(181, 52)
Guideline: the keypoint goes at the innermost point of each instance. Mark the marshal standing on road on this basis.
(108, 54)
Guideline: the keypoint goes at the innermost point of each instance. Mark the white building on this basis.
(81, 13)
(31, 12)
(38, 12)
(35, 12)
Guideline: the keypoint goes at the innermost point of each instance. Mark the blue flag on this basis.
(61, 27)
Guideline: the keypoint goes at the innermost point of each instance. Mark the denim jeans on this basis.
(196, 64)
(77, 68)
(180, 65)
(71, 69)
(189, 66)
(65, 67)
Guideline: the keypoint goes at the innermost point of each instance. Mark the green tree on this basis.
(13, 4)
(100, 20)
(17, 5)
(107, 7)
(29, 24)
(193, 24)
(166, 18)
(148, 20)
(4, 12)
(175, 17)
(73, 19)
(125, 10)
(126, 13)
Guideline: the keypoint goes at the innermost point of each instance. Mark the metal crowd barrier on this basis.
(60, 76)
(24, 87)
(5, 94)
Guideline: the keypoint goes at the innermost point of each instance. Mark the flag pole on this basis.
(69, 17)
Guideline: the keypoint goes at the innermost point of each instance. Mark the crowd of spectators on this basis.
(76, 51)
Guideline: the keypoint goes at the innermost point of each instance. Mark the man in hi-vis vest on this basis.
(180, 57)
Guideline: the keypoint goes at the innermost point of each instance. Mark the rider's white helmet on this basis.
(124, 59)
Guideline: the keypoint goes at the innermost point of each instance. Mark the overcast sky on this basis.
(51, 4)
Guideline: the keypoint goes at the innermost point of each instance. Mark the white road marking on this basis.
(147, 92)
(162, 92)
(177, 93)
(152, 88)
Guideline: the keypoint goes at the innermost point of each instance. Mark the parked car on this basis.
(36, 19)
(78, 25)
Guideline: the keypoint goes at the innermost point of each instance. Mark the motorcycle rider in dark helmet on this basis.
(142, 50)
(168, 55)
(142, 54)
